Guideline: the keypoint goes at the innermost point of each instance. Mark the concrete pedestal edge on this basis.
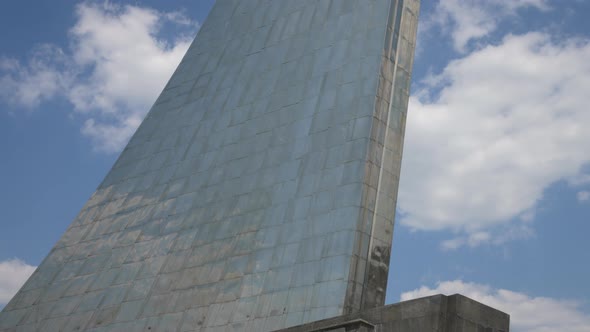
(440, 313)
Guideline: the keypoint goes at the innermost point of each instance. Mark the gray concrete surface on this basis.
(438, 313)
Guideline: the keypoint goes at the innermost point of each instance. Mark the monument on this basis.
(259, 192)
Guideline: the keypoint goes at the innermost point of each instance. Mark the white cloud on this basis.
(13, 274)
(527, 314)
(473, 240)
(466, 21)
(44, 76)
(487, 136)
(496, 237)
(583, 196)
(115, 68)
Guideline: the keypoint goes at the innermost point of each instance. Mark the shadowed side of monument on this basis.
(383, 160)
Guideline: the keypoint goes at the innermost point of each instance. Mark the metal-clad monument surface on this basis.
(258, 193)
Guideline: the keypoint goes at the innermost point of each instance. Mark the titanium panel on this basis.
(258, 193)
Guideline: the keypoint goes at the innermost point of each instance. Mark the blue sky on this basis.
(495, 195)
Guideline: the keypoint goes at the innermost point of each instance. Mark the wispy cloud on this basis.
(583, 196)
(45, 75)
(13, 274)
(527, 313)
(579, 180)
(488, 135)
(117, 64)
(468, 21)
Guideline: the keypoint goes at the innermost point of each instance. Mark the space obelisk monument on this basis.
(259, 192)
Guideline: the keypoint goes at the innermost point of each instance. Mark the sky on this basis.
(494, 199)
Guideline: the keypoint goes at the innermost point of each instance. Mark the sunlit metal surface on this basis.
(259, 192)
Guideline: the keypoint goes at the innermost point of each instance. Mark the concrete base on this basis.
(438, 313)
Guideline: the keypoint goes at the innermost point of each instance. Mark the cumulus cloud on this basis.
(527, 314)
(115, 67)
(490, 133)
(13, 274)
(466, 21)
